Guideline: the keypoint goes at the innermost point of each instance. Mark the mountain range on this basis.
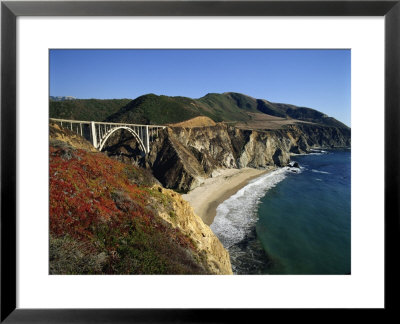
(61, 98)
(229, 107)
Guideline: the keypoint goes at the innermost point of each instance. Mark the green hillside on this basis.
(228, 107)
(154, 109)
(299, 113)
(85, 109)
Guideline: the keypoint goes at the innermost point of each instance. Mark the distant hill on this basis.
(227, 107)
(153, 109)
(86, 109)
(62, 98)
(299, 113)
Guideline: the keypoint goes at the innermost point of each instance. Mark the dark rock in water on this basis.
(295, 149)
(294, 164)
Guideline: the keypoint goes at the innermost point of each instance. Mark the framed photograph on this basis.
(209, 138)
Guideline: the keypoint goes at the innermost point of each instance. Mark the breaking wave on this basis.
(317, 152)
(318, 171)
(237, 215)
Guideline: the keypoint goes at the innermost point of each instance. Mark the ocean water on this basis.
(288, 222)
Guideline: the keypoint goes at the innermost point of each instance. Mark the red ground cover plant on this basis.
(101, 220)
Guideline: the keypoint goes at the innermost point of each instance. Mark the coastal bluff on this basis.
(183, 157)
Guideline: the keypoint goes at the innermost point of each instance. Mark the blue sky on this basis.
(318, 79)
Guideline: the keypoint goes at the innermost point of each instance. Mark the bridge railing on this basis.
(102, 123)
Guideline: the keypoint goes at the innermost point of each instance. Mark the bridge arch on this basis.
(114, 129)
(98, 133)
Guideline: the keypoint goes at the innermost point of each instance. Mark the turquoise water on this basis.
(291, 222)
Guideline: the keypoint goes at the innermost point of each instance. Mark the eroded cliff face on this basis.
(182, 158)
(215, 258)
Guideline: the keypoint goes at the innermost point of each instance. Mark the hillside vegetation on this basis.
(86, 109)
(107, 217)
(226, 107)
(153, 109)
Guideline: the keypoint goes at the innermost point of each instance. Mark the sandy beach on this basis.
(225, 183)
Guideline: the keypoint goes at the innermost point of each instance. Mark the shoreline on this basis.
(206, 198)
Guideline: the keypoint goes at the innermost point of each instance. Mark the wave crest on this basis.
(237, 215)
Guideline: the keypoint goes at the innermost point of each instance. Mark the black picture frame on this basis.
(10, 10)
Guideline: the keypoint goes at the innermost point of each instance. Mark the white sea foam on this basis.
(237, 215)
(318, 171)
(317, 152)
(312, 152)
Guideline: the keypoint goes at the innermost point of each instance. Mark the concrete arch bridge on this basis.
(99, 132)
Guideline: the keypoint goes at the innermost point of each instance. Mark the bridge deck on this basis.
(103, 123)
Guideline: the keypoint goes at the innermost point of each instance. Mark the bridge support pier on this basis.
(94, 135)
(147, 140)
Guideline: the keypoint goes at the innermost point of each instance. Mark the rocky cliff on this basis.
(182, 157)
(183, 217)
